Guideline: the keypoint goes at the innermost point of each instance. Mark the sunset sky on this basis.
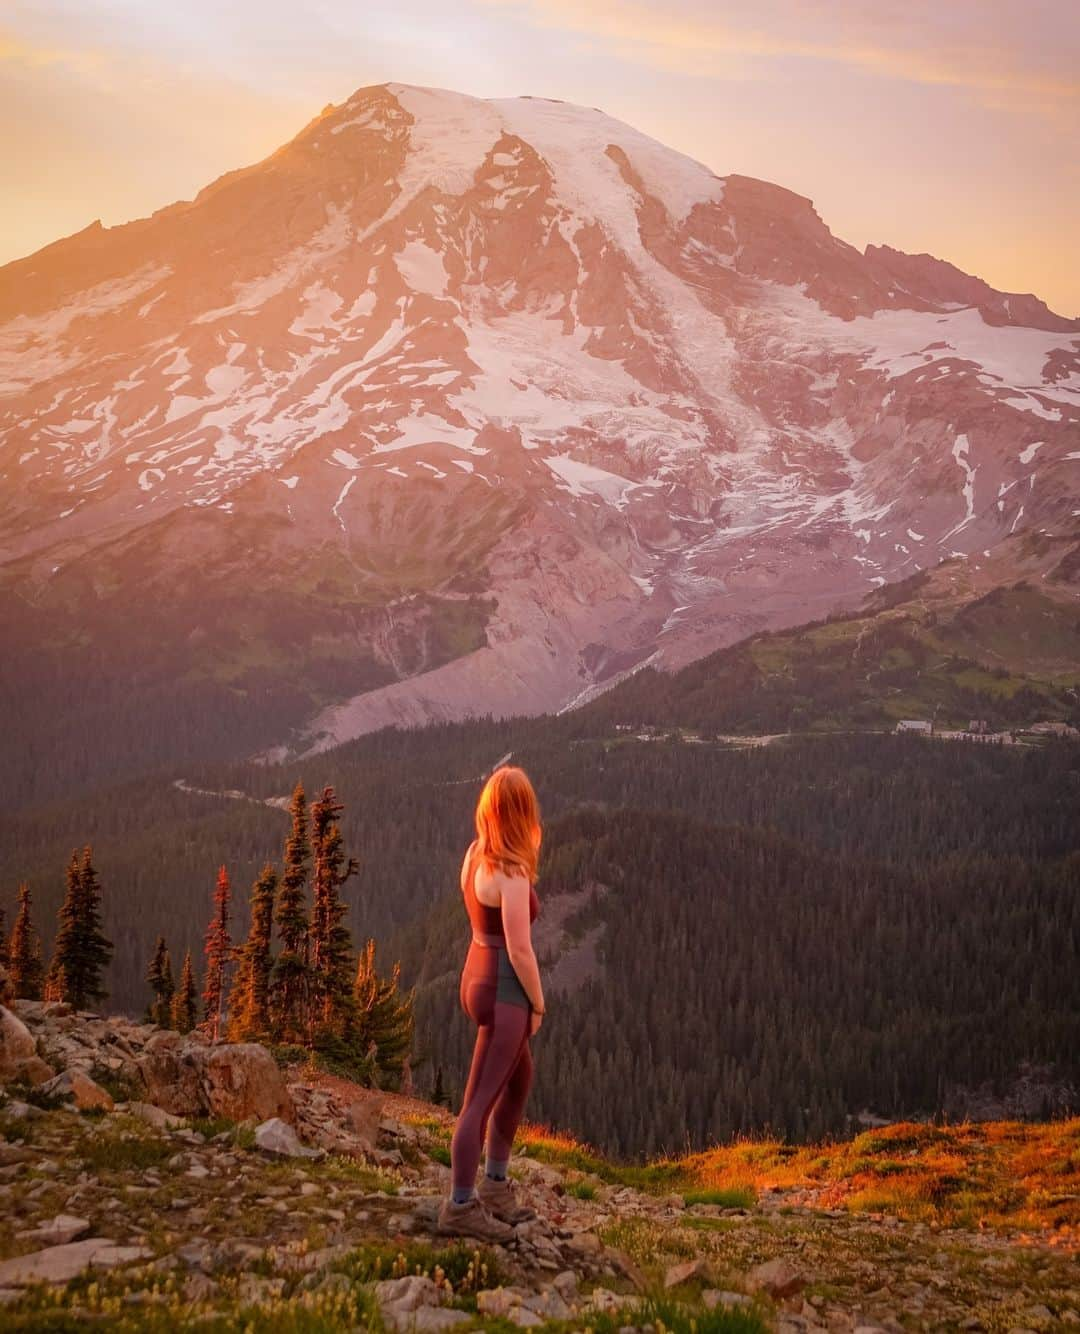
(948, 128)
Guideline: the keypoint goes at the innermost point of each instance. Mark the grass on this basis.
(464, 1269)
(1020, 1178)
(122, 1153)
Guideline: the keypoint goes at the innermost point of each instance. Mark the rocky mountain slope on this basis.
(455, 406)
(117, 1213)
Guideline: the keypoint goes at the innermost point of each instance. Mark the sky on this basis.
(952, 128)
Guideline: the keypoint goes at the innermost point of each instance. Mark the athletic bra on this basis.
(487, 921)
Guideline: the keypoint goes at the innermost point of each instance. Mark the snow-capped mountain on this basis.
(485, 402)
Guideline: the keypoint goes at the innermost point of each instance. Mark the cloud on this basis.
(998, 51)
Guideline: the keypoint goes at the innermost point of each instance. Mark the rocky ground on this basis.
(149, 1181)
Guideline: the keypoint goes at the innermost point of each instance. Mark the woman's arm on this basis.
(514, 893)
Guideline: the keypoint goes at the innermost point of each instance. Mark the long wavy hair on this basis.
(508, 822)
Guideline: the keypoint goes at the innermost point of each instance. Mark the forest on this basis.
(788, 934)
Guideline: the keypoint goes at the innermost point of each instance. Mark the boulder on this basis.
(57, 1231)
(363, 1118)
(16, 1045)
(242, 1079)
(776, 1277)
(152, 1116)
(408, 1293)
(81, 1089)
(278, 1138)
(171, 1076)
(60, 1264)
(713, 1297)
(236, 1080)
(684, 1272)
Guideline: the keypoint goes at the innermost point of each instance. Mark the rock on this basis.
(237, 1080)
(407, 1293)
(60, 1264)
(714, 1297)
(585, 1243)
(566, 1284)
(16, 1045)
(57, 1231)
(35, 1072)
(278, 1138)
(682, 1273)
(603, 1299)
(776, 1277)
(432, 1318)
(171, 1076)
(75, 1085)
(153, 1116)
(363, 1118)
(243, 1079)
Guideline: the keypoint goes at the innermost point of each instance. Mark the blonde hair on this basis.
(507, 818)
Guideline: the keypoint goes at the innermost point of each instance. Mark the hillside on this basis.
(127, 1217)
(454, 406)
(912, 860)
(951, 644)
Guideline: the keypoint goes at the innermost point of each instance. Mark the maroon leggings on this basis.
(501, 1073)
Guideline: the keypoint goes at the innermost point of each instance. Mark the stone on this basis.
(566, 1284)
(242, 1080)
(363, 1118)
(17, 1046)
(57, 1231)
(433, 1318)
(776, 1277)
(60, 1264)
(714, 1297)
(171, 1076)
(585, 1243)
(153, 1116)
(682, 1273)
(603, 1299)
(407, 1293)
(79, 1087)
(276, 1137)
(35, 1072)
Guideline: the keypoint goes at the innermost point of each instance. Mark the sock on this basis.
(463, 1194)
(496, 1170)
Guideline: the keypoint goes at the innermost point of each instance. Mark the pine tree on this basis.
(185, 1014)
(219, 951)
(439, 1094)
(384, 1020)
(81, 950)
(160, 977)
(290, 977)
(249, 999)
(331, 947)
(24, 960)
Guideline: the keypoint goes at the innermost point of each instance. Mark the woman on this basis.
(501, 992)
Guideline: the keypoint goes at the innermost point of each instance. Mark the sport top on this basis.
(485, 919)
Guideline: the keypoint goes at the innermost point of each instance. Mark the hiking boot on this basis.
(499, 1199)
(471, 1219)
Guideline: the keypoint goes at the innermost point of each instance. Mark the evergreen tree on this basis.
(439, 1095)
(331, 947)
(185, 1013)
(290, 977)
(383, 1021)
(160, 977)
(249, 999)
(81, 950)
(219, 951)
(24, 960)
